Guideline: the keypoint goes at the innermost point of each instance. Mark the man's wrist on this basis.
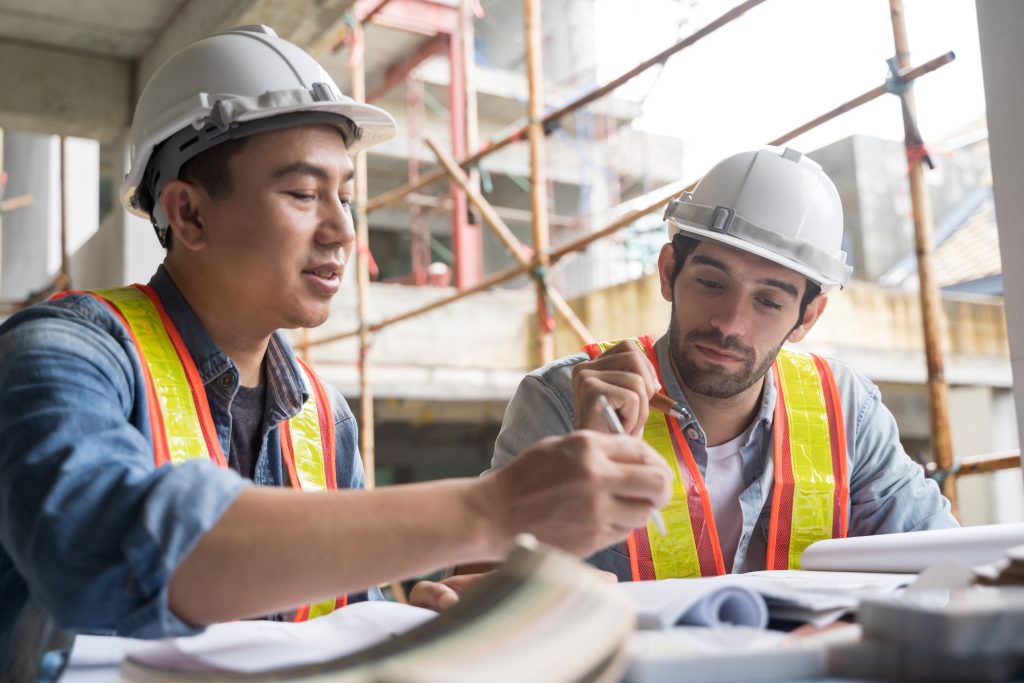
(486, 521)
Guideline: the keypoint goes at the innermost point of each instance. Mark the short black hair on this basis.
(683, 246)
(211, 171)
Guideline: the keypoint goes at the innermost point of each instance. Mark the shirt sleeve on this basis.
(540, 407)
(89, 522)
(888, 490)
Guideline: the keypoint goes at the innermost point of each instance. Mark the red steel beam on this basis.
(398, 70)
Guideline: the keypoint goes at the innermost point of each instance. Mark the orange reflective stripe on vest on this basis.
(811, 485)
(179, 414)
(690, 547)
(307, 440)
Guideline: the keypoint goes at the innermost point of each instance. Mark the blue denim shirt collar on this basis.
(287, 390)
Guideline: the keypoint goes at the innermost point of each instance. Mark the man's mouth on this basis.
(329, 271)
(719, 354)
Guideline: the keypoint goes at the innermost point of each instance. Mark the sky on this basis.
(786, 62)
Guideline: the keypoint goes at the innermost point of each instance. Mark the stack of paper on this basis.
(517, 624)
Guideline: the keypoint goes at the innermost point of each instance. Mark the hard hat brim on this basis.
(375, 126)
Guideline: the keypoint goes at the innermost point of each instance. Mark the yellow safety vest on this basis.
(180, 421)
(811, 485)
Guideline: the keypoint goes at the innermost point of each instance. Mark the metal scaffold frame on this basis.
(536, 260)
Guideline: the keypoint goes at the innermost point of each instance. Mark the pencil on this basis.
(613, 422)
(666, 406)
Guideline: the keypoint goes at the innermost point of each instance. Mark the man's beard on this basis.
(715, 381)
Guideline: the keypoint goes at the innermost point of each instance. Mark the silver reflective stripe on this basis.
(724, 220)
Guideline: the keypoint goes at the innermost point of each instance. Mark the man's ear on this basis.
(811, 315)
(666, 264)
(183, 203)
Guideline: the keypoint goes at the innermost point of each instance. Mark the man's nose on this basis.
(730, 317)
(336, 225)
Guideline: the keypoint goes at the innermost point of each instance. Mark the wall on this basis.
(1000, 25)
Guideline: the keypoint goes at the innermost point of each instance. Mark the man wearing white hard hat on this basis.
(771, 448)
(135, 420)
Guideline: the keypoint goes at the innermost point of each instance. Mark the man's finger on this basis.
(432, 595)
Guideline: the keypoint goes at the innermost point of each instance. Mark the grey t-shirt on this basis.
(246, 436)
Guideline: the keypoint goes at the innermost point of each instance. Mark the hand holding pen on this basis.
(612, 420)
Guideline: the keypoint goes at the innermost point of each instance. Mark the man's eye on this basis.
(768, 303)
(710, 284)
(303, 196)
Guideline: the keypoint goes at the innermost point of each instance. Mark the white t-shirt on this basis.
(723, 479)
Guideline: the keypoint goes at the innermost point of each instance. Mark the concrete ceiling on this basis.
(79, 65)
(117, 29)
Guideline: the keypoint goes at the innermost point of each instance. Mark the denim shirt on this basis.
(91, 530)
(888, 490)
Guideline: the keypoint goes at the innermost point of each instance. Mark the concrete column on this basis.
(1000, 25)
(31, 161)
(31, 236)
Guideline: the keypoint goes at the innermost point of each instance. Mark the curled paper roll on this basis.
(727, 606)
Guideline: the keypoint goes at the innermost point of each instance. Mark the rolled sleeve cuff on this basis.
(184, 506)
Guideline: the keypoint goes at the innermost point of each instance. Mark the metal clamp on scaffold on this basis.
(899, 86)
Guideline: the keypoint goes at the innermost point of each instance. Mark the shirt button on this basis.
(692, 433)
(227, 380)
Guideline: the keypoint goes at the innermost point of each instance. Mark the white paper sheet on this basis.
(250, 646)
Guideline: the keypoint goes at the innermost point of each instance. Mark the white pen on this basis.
(613, 422)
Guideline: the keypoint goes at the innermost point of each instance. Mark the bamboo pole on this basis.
(931, 309)
(467, 34)
(488, 282)
(905, 74)
(643, 206)
(660, 197)
(366, 440)
(979, 464)
(545, 348)
(520, 133)
(518, 250)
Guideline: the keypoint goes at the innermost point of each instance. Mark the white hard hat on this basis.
(231, 85)
(772, 202)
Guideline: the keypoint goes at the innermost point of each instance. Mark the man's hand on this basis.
(624, 375)
(439, 595)
(580, 492)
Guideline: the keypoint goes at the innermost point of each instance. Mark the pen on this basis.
(612, 420)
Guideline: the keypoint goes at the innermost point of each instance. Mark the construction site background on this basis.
(441, 380)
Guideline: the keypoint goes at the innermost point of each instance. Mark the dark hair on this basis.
(683, 246)
(211, 171)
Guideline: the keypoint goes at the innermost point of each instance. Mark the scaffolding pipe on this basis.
(647, 203)
(466, 239)
(977, 464)
(519, 251)
(545, 348)
(520, 133)
(362, 248)
(660, 197)
(904, 74)
(932, 314)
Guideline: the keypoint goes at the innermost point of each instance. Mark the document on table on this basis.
(914, 551)
(249, 646)
(818, 598)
